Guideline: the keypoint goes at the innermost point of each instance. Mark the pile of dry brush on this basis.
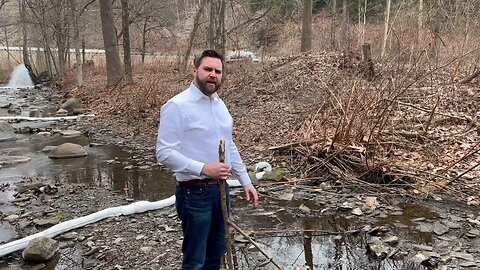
(323, 120)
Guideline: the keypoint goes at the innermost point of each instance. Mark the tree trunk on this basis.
(387, 25)
(333, 26)
(6, 44)
(211, 25)
(221, 33)
(192, 34)
(127, 59)
(26, 59)
(420, 22)
(306, 44)
(144, 40)
(83, 50)
(344, 37)
(114, 67)
(76, 44)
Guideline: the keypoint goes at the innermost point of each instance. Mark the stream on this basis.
(327, 236)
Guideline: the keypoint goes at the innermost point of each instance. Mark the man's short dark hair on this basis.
(207, 53)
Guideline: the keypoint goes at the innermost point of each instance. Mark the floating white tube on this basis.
(136, 207)
(55, 118)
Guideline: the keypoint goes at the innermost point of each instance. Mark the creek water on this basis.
(317, 242)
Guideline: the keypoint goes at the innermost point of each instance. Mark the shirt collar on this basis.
(197, 94)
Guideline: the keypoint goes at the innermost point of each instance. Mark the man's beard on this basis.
(206, 88)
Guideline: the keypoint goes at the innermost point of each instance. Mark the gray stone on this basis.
(11, 218)
(73, 106)
(6, 132)
(357, 212)
(70, 133)
(422, 247)
(452, 225)
(276, 174)
(377, 249)
(68, 150)
(286, 197)
(45, 222)
(439, 228)
(11, 160)
(463, 256)
(40, 249)
(425, 227)
(392, 240)
(304, 209)
(49, 148)
(61, 112)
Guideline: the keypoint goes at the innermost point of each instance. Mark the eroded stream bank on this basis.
(323, 227)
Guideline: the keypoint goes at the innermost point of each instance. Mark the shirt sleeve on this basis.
(170, 133)
(237, 166)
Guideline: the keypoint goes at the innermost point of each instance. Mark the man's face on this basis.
(208, 76)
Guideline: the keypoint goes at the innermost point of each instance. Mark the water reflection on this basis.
(326, 241)
(145, 183)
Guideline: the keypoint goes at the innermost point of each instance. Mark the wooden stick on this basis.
(228, 239)
(228, 222)
(270, 259)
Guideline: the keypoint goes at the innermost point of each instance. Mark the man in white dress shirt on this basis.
(192, 124)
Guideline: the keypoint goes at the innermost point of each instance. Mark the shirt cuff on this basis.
(196, 167)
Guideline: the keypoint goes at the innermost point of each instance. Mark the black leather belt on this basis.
(199, 182)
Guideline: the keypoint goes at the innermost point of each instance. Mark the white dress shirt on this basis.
(191, 127)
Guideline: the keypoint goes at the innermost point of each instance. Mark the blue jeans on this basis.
(200, 211)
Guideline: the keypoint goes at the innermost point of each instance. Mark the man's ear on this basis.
(194, 72)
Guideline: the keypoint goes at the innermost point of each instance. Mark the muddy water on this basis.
(104, 166)
(317, 241)
(326, 241)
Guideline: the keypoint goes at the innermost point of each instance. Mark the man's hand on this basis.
(251, 194)
(217, 170)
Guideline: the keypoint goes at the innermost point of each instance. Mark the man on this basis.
(191, 126)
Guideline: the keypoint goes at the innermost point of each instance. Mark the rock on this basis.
(40, 249)
(11, 218)
(377, 249)
(276, 174)
(357, 212)
(422, 247)
(11, 160)
(73, 106)
(7, 132)
(70, 133)
(61, 112)
(49, 148)
(44, 133)
(463, 256)
(419, 258)
(45, 222)
(452, 225)
(370, 204)
(68, 236)
(286, 197)
(425, 227)
(392, 240)
(68, 150)
(468, 264)
(439, 228)
(473, 233)
(128, 168)
(146, 250)
(304, 209)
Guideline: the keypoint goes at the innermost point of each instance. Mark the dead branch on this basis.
(411, 135)
(471, 77)
(291, 145)
(458, 117)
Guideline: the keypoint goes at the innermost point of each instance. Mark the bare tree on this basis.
(127, 59)
(333, 24)
(114, 67)
(26, 59)
(191, 39)
(387, 26)
(216, 27)
(306, 44)
(76, 43)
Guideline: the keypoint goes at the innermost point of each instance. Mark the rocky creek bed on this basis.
(324, 225)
